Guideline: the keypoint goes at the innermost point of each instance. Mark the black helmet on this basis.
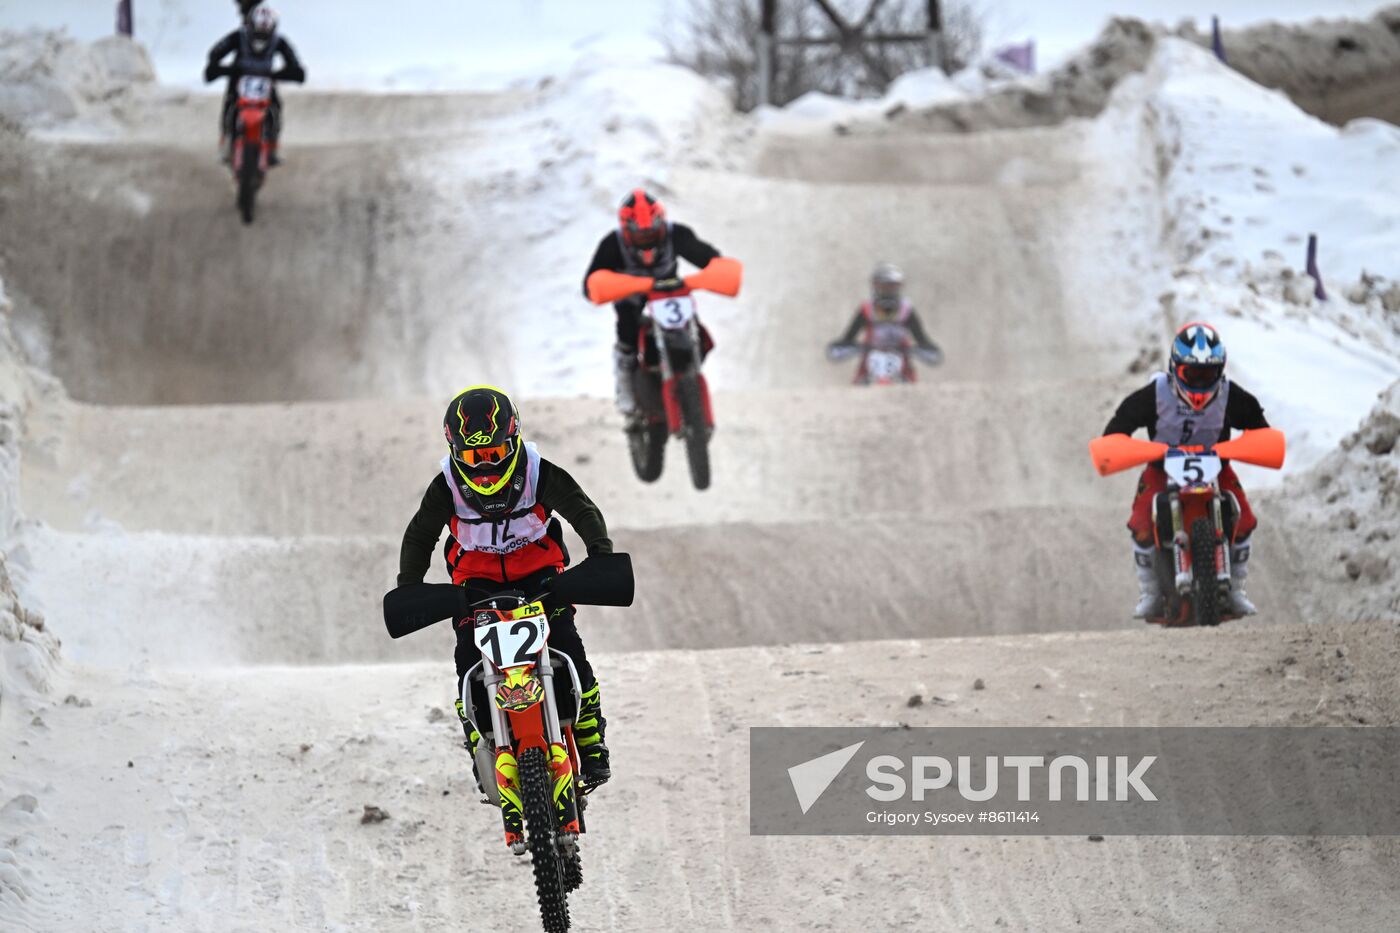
(483, 433)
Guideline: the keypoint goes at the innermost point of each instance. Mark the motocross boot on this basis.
(273, 159)
(624, 372)
(225, 150)
(1150, 602)
(588, 736)
(473, 737)
(1239, 603)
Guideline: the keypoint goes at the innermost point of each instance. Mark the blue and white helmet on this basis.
(1197, 364)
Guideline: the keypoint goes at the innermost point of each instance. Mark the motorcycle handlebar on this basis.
(723, 276)
(601, 580)
(1114, 453)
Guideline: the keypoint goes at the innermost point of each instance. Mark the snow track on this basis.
(216, 566)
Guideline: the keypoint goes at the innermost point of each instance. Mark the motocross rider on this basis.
(496, 494)
(888, 319)
(645, 243)
(1192, 403)
(254, 46)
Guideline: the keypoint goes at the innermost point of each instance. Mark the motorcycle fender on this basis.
(519, 690)
(705, 400)
(252, 120)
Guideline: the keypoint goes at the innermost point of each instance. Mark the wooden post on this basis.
(125, 24)
(936, 52)
(767, 27)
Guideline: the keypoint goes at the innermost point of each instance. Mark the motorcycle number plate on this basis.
(512, 642)
(254, 88)
(1186, 470)
(884, 364)
(673, 313)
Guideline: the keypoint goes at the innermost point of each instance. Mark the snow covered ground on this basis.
(213, 761)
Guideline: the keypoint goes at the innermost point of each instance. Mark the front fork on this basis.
(1181, 543)
(674, 421)
(507, 765)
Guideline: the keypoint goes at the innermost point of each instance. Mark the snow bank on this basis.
(919, 89)
(1335, 69)
(1351, 503)
(1246, 177)
(28, 656)
(48, 79)
(1253, 175)
(27, 648)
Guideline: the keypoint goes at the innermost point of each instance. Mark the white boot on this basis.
(1239, 604)
(624, 372)
(1150, 603)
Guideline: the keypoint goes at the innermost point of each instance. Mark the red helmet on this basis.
(642, 221)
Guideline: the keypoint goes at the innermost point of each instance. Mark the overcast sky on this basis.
(476, 42)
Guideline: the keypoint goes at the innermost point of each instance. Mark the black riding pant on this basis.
(629, 322)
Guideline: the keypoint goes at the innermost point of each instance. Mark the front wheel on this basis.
(696, 428)
(647, 442)
(1205, 590)
(541, 826)
(249, 179)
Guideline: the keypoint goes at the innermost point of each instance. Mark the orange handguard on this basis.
(1114, 453)
(1263, 447)
(723, 276)
(605, 286)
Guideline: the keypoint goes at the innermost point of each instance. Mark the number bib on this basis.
(883, 364)
(672, 313)
(1187, 470)
(512, 642)
(254, 88)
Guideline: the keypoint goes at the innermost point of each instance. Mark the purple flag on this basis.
(124, 22)
(1021, 57)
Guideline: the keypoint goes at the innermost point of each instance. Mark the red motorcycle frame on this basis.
(251, 148)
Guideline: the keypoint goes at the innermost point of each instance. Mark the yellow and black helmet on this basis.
(483, 431)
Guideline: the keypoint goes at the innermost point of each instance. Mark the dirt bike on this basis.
(880, 365)
(527, 739)
(672, 395)
(1193, 520)
(250, 147)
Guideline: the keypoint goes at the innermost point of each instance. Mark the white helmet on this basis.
(262, 28)
(887, 286)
